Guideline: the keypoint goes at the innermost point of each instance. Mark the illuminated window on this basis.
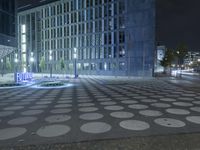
(23, 28)
(23, 38)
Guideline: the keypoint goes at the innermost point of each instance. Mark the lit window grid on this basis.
(88, 52)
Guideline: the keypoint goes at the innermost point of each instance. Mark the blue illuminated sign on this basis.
(23, 77)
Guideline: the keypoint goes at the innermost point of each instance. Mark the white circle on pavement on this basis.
(21, 103)
(53, 130)
(193, 119)
(129, 102)
(114, 107)
(197, 109)
(138, 106)
(96, 127)
(43, 102)
(22, 120)
(38, 107)
(63, 105)
(189, 95)
(91, 116)
(32, 112)
(151, 113)
(88, 109)
(61, 111)
(84, 100)
(196, 102)
(177, 111)
(186, 98)
(64, 102)
(86, 104)
(184, 104)
(108, 103)
(161, 105)
(169, 122)
(14, 108)
(122, 114)
(149, 100)
(104, 99)
(57, 118)
(9, 133)
(134, 125)
(168, 99)
(6, 113)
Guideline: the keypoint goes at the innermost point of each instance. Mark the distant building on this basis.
(7, 30)
(160, 55)
(191, 57)
(111, 37)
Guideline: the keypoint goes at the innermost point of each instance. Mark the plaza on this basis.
(97, 109)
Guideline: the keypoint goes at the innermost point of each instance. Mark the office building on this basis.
(109, 37)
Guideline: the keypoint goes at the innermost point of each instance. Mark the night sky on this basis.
(177, 21)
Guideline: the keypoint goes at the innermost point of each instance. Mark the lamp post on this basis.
(16, 65)
(75, 67)
(31, 61)
(50, 59)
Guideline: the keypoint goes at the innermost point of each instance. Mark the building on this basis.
(110, 37)
(7, 32)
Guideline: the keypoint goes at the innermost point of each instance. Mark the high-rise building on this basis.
(107, 37)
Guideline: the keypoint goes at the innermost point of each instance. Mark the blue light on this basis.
(23, 77)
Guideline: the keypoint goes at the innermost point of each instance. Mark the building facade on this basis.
(8, 42)
(109, 37)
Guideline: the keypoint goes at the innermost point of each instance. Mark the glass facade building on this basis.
(112, 37)
(7, 30)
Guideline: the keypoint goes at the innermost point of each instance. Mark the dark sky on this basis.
(176, 21)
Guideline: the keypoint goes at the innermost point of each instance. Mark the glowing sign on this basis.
(23, 77)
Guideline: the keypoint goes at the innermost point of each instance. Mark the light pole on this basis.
(31, 61)
(50, 59)
(75, 67)
(16, 62)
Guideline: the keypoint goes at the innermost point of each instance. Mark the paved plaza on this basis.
(97, 108)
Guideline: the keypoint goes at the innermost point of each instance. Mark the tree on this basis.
(62, 65)
(42, 64)
(8, 65)
(181, 52)
(167, 60)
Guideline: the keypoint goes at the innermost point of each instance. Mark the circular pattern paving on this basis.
(193, 119)
(129, 102)
(122, 114)
(161, 105)
(149, 100)
(197, 109)
(88, 109)
(6, 113)
(63, 105)
(32, 112)
(151, 113)
(96, 127)
(168, 99)
(53, 130)
(22, 120)
(9, 133)
(38, 107)
(61, 111)
(91, 116)
(138, 106)
(85, 104)
(169, 122)
(134, 125)
(108, 103)
(14, 108)
(178, 111)
(184, 104)
(114, 107)
(57, 118)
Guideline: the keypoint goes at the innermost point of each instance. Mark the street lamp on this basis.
(75, 68)
(16, 62)
(50, 59)
(31, 62)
